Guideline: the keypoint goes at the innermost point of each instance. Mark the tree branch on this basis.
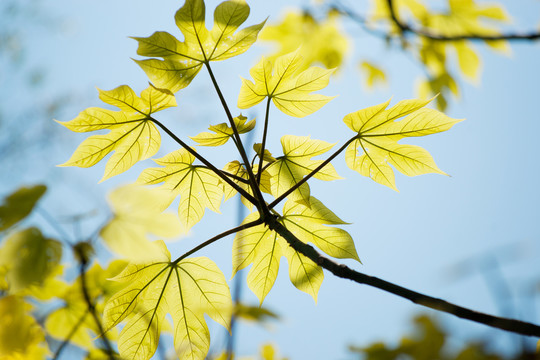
(342, 271)
(434, 36)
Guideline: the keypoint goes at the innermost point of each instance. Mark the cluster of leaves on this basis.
(189, 287)
(427, 43)
(154, 292)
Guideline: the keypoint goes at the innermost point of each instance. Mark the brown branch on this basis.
(439, 37)
(342, 271)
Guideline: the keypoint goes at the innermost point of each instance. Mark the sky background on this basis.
(449, 237)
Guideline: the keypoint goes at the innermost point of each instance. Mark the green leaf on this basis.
(289, 88)
(263, 248)
(29, 258)
(223, 132)
(197, 186)
(374, 74)
(186, 290)
(238, 169)
(183, 60)
(322, 40)
(137, 212)
(309, 225)
(21, 337)
(133, 137)
(19, 204)
(376, 147)
(296, 163)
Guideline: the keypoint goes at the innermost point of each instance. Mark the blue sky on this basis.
(486, 212)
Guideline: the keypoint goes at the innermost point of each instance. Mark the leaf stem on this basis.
(260, 204)
(311, 174)
(206, 162)
(217, 237)
(342, 271)
(263, 144)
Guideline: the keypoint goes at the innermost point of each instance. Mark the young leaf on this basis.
(289, 89)
(29, 258)
(237, 169)
(19, 204)
(223, 132)
(378, 135)
(263, 247)
(183, 60)
(132, 137)
(138, 211)
(186, 290)
(198, 187)
(296, 163)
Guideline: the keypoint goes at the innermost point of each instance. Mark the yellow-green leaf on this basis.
(19, 204)
(237, 169)
(263, 248)
(309, 225)
(183, 60)
(137, 212)
(29, 258)
(376, 147)
(374, 74)
(223, 132)
(21, 337)
(322, 40)
(296, 163)
(197, 186)
(286, 84)
(186, 290)
(133, 137)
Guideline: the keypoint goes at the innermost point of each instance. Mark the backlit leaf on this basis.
(19, 204)
(133, 137)
(296, 163)
(197, 186)
(238, 169)
(263, 248)
(376, 146)
(183, 60)
(186, 290)
(322, 41)
(374, 75)
(283, 81)
(137, 212)
(223, 132)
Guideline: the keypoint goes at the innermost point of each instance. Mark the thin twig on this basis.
(439, 37)
(263, 143)
(253, 181)
(217, 237)
(64, 343)
(311, 174)
(91, 307)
